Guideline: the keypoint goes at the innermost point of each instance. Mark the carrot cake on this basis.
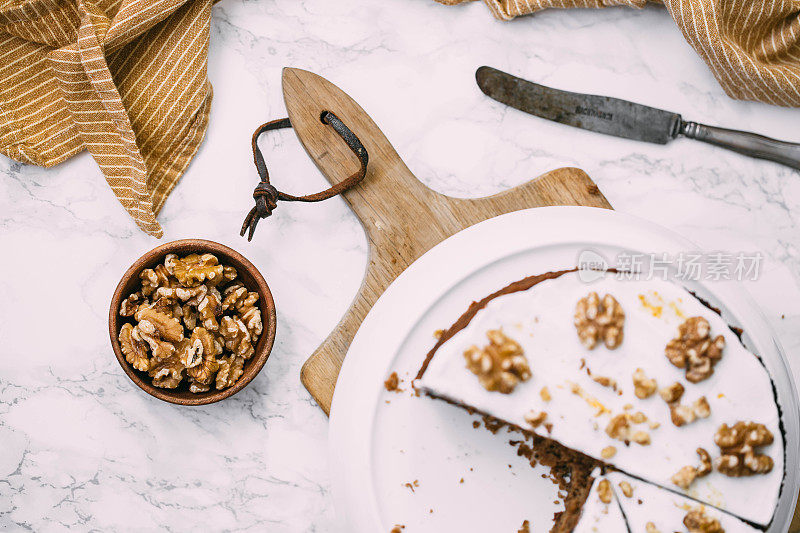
(639, 375)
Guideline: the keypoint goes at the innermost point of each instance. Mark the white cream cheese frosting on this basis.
(598, 516)
(579, 409)
(664, 509)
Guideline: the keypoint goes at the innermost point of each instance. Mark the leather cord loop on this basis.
(266, 196)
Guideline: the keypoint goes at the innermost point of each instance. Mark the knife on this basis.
(621, 118)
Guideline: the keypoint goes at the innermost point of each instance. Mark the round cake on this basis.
(639, 375)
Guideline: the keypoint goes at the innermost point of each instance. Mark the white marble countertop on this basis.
(82, 447)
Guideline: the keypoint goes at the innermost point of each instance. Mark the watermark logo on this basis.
(682, 266)
(591, 265)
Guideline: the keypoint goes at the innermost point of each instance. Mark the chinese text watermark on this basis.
(682, 266)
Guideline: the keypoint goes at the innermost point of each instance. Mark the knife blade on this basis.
(625, 119)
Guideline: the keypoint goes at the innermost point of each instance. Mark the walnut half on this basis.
(194, 269)
(134, 349)
(500, 365)
(694, 349)
(599, 320)
(738, 445)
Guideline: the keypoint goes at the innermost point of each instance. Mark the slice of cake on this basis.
(601, 512)
(652, 509)
(638, 374)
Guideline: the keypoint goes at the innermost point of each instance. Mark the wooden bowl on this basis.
(248, 275)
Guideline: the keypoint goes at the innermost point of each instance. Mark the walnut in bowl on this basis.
(192, 322)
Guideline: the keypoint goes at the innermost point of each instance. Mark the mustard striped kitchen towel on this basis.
(752, 47)
(124, 79)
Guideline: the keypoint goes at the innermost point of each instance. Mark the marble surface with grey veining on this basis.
(82, 448)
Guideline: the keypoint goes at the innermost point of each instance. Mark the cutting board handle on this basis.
(307, 96)
(401, 217)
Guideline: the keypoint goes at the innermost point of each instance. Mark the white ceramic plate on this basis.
(400, 459)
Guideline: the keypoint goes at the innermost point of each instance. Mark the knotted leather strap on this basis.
(266, 195)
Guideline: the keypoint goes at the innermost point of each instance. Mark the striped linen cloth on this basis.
(124, 79)
(751, 46)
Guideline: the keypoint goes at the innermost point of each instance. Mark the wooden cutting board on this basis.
(402, 217)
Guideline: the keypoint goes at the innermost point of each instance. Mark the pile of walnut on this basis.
(193, 321)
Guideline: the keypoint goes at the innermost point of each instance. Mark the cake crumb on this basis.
(398, 528)
(589, 399)
(392, 382)
(654, 308)
(605, 381)
(697, 520)
(412, 485)
(608, 452)
(545, 394)
(462, 480)
(677, 310)
(438, 334)
(626, 488)
(492, 424)
(644, 387)
(604, 491)
(535, 418)
(641, 437)
(618, 428)
(701, 407)
(684, 477)
(526, 527)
